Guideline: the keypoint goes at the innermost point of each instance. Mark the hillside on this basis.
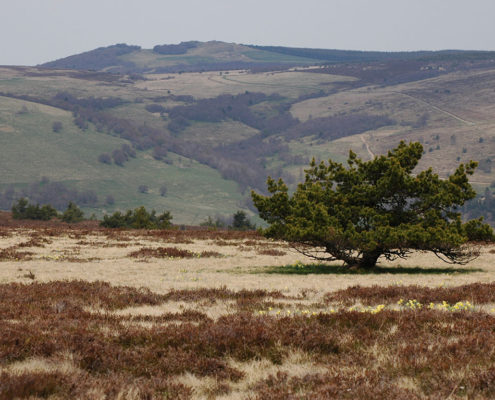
(195, 143)
(197, 56)
(183, 57)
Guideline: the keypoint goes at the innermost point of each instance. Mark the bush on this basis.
(143, 189)
(72, 214)
(129, 150)
(163, 190)
(105, 158)
(241, 222)
(138, 218)
(155, 108)
(119, 157)
(477, 231)
(57, 126)
(110, 200)
(23, 210)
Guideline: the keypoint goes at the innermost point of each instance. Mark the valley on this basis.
(210, 136)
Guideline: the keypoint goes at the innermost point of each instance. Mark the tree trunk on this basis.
(369, 259)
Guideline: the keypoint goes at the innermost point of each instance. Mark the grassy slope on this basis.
(459, 105)
(456, 104)
(31, 150)
(210, 53)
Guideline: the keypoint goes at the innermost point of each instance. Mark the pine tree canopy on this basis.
(371, 209)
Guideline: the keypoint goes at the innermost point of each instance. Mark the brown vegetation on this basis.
(191, 337)
(476, 293)
(405, 354)
(11, 253)
(171, 252)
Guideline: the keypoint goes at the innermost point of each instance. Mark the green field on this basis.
(31, 150)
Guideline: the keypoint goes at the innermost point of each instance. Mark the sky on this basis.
(36, 31)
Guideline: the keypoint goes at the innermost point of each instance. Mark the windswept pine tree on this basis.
(373, 209)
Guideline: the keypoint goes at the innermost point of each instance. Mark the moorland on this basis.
(125, 133)
(89, 312)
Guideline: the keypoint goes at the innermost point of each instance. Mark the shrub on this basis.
(73, 213)
(129, 150)
(241, 222)
(163, 190)
(143, 189)
(57, 126)
(138, 218)
(476, 230)
(105, 158)
(119, 157)
(23, 210)
(155, 108)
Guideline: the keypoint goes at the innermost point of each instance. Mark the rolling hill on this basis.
(121, 126)
(195, 56)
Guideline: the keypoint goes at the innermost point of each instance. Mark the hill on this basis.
(197, 56)
(195, 143)
(183, 57)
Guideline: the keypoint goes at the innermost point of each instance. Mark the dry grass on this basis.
(456, 105)
(60, 254)
(240, 326)
(211, 84)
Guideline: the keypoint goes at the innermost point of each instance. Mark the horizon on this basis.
(268, 45)
(40, 32)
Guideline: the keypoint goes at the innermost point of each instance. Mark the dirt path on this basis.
(372, 155)
(464, 121)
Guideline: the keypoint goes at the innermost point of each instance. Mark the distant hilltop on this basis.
(195, 56)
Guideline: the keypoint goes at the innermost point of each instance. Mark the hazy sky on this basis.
(36, 31)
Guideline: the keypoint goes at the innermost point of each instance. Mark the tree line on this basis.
(138, 218)
(174, 49)
(22, 209)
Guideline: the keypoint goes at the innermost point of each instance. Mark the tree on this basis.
(163, 190)
(110, 200)
(138, 218)
(19, 210)
(73, 213)
(371, 209)
(241, 222)
(105, 158)
(57, 126)
(119, 157)
(23, 210)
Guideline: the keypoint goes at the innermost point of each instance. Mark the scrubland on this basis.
(93, 313)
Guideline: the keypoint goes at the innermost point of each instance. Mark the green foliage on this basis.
(138, 218)
(241, 222)
(476, 230)
(23, 210)
(72, 214)
(371, 209)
